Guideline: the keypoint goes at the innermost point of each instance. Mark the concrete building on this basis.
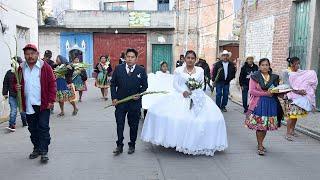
(279, 29)
(17, 19)
(202, 29)
(111, 29)
(164, 33)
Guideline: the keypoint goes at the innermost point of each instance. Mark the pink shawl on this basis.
(304, 80)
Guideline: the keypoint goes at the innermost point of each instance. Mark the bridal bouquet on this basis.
(129, 98)
(192, 85)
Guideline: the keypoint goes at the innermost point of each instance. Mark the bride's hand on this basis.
(186, 94)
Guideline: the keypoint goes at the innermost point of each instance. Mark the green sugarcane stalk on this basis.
(16, 73)
(215, 80)
(129, 98)
(18, 77)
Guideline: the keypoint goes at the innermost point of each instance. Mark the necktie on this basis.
(130, 68)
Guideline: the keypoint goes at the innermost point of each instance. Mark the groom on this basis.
(128, 79)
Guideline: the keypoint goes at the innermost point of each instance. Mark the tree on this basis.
(41, 9)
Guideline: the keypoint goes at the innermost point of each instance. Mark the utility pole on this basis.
(198, 27)
(186, 24)
(218, 29)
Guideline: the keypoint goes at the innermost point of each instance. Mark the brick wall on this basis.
(268, 18)
(208, 26)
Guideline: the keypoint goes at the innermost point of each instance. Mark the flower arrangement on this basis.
(129, 98)
(61, 70)
(192, 85)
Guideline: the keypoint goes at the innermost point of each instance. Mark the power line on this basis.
(209, 5)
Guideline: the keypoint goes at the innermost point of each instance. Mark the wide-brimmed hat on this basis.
(225, 52)
(250, 56)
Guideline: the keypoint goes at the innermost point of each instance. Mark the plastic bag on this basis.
(4, 110)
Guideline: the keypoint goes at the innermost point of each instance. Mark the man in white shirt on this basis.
(224, 72)
(38, 89)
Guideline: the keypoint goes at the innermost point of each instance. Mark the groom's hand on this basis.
(114, 102)
(136, 97)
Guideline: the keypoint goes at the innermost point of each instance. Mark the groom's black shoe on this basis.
(118, 150)
(131, 150)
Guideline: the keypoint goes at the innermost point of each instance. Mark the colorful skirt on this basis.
(102, 80)
(79, 84)
(264, 117)
(293, 111)
(65, 92)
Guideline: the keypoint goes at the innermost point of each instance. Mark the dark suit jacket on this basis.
(231, 72)
(123, 85)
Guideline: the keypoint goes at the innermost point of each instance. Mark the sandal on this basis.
(75, 112)
(288, 138)
(295, 134)
(260, 152)
(264, 149)
(60, 115)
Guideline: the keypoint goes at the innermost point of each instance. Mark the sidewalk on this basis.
(309, 125)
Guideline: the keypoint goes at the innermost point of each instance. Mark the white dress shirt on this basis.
(132, 69)
(32, 86)
(225, 68)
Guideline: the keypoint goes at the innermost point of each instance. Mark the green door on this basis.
(300, 35)
(161, 52)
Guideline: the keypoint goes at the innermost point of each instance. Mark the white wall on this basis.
(17, 13)
(49, 40)
(259, 38)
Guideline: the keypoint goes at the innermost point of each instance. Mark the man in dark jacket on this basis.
(224, 71)
(204, 65)
(47, 58)
(180, 61)
(8, 87)
(128, 79)
(247, 69)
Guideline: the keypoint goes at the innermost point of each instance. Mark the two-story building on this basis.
(18, 19)
(112, 26)
(281, 30)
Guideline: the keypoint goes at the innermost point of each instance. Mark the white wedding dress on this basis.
(170, 122)
(157, 82)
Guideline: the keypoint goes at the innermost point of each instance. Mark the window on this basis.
(163, 5)
(118, 6)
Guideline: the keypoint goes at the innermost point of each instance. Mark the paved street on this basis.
(81, 149)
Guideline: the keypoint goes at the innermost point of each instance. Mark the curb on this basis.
(304, 130)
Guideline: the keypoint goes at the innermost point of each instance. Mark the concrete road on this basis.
(81, 149)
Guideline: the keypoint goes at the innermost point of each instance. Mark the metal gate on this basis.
(114, 44)
(301, 31)
(161, 52)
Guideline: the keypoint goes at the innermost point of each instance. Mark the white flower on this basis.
(139, 75)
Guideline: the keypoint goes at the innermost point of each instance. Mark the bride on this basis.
(172, 122)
